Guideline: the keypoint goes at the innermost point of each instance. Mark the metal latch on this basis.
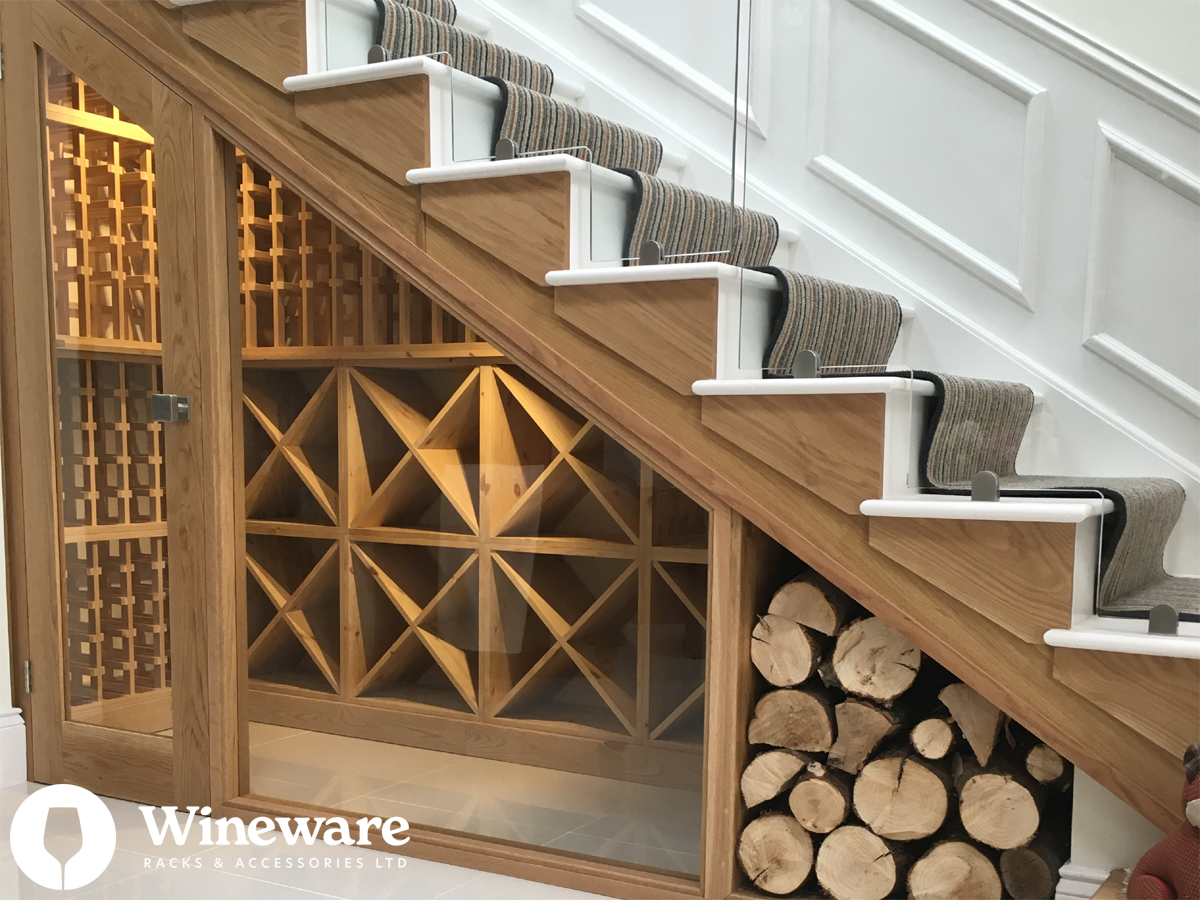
(170, 408)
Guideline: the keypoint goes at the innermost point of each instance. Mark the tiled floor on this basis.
(234, 873)
(650, 826)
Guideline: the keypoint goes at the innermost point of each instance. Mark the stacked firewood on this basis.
(874, 773)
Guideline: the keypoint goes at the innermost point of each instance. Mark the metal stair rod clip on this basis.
(1164, 619)
(506, 148)
(985, 486)
(651, 253)
(376, 54)
(170, 408)
(807, 364)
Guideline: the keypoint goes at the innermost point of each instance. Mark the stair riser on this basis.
(268, 40)
(1021, 575)
(1158, 696)
(365, 119)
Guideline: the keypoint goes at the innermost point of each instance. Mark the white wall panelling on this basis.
(715, 88)
(938, 107)
(1142, 304)
(929, 119)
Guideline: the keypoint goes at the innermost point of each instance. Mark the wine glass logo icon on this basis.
(48, 827)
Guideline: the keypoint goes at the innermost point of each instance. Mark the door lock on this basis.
(170, 408)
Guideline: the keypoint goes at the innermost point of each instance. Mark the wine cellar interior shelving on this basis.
(430, 530)
(108, 363)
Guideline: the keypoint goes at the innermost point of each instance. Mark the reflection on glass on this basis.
(464, 601)
(108, 357)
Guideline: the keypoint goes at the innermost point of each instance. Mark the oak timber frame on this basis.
(206, 760)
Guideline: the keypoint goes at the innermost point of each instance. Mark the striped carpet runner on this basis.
(385, 27)
(977, 425)
(849, 328)
(537, 123)
(406, 32)
(694, 227)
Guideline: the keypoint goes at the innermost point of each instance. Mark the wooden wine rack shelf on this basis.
(430, 532)
(108, 363)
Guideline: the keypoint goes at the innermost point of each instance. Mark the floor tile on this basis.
(465, 819)
(649, 834)
(500, 887)
(484, 804)
(201, 884)
(639, 854)
(264, 734)
(350, 872)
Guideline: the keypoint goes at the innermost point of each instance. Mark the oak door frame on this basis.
(194, 278)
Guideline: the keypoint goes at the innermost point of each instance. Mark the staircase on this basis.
(984, 593)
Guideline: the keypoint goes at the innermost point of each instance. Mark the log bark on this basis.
(933, 738)
(954, 870)
(977, 718)
(793, 719)
(860, 728)
(815, 603)
(999, 806)
(855, 864)
(821, 799)
(873, 661)
(902, 798)
(769, 774)
(776, 853)
(783, 651)
(1030, 873)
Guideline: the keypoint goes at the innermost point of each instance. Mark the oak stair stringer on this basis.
(654, 420)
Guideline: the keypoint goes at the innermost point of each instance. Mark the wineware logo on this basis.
(80, 819)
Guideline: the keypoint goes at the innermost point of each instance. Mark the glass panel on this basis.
(108, 361)
(505, 606)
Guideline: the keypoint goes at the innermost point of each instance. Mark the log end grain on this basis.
(783, 651)
(872, 660)
(776, 853)
(954, 870)
(901, 799)
(769, 774)
(932, 738)
(998, 811)
(855, 864)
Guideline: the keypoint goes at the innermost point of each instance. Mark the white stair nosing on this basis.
(645, 274)
(501, 168)
(865, 384)
(1006, 509)
(1112, 637)
(381, 71)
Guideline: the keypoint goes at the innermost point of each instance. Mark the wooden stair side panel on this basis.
(659, 423)
(522, 220)
(1158, 696)
(383, 123)
(267, 38)
(1018, 574)
(648, 417)
(665, 328)
(831, 444)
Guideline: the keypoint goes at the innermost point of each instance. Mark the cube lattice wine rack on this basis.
(108, 363)
(438, 550)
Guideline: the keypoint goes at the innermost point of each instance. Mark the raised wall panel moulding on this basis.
(1129, 76)
(1112, 145)
(1018, 286)
(821, 238)
(675, 69)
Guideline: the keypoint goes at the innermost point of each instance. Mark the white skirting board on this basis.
(1078, 882)
(13, 768)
